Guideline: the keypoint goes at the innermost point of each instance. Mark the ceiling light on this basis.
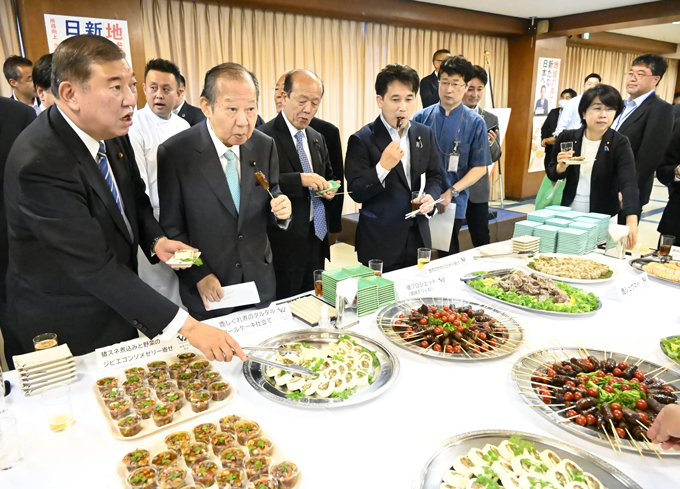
(585, 35)
(676, 22)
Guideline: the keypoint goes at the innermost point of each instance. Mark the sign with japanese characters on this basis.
(249, 321)
(60, 27)
(139, 351)
(430, 286)
(545, 99)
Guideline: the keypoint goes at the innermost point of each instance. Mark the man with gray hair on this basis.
(211, 196)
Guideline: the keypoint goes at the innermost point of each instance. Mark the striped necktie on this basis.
(104, 167)
(320, 228)
(232, 179)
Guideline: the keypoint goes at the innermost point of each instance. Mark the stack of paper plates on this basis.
(558, 208)
(386, 294)
(46, 368)
(572, 215)
(558, 222)
(525, 228)
(367, 297)
(603, 220)
(541, 216)
(548, 235)
(330, 278)
(592, 228)
(572, 241)
(525, 243)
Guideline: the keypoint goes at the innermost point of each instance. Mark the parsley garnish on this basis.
(296, 395)
(344, 395)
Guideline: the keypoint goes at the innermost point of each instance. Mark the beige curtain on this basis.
(611, 66)
(9, 39)
(347, 55)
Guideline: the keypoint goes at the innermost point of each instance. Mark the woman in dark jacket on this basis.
(606, 182)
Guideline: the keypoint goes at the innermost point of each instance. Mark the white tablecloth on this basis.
(383, 443)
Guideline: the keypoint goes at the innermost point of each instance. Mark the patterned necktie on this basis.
(103, 163)
(232, 179)
(320, 228)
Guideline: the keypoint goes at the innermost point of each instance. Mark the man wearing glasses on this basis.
(646, 120)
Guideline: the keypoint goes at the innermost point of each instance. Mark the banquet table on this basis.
(385, 442)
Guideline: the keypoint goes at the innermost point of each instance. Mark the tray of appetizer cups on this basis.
(231, 453)
(508, 459)
(164, 393)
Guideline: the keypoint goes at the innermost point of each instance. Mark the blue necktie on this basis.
(103, 163)
(320, 228)
(232, 179)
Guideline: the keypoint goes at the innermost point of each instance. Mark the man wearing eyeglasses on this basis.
(646, 120)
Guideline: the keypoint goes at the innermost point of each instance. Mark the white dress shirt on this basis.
(35, 106)
(92, 146)
(147, 133)
(630, 104)
(179, 107)
(569, 117)
(305, 146)
(222, 148)
(404, 144)
(581, 201)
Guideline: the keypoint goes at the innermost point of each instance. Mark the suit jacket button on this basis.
(142, 329)
(120, 156)
(135, 322)
(238, 265)
(240, 237)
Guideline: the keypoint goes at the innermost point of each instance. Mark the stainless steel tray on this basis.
(440, 462)
(640, 262)
(384, 377)
(531, 397)
(470, 276)
(387, 314)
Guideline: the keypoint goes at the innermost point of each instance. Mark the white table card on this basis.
(430, 286)
(139, 351)
(632, 286)
(250, 321)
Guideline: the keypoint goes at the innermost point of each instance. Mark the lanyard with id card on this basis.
(454, 156)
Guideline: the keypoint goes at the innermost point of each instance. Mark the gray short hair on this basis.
(231, 71)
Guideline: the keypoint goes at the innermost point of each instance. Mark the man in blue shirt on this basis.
(461, 139)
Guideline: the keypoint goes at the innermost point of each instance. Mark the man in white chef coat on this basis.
(151, 127)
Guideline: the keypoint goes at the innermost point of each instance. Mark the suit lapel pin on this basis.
(120, 156)
(419, 142)
(606, 147)
(253, 163)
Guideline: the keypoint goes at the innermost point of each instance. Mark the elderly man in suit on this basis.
(305, 170)
(77, 211)
(477, 213)
(210, 196)
(646, 120)
(429, 85)
(386, 161)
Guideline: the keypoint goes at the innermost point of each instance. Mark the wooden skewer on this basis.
(650, 445)
(632, 440)
(609, 439)
(673, 381)
(625, 359)
(662, 370)
(562, 421)
(643, 359)
(615, 435)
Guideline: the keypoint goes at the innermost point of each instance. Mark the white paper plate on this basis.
(615, 272)
(576, 162)
(182, 264)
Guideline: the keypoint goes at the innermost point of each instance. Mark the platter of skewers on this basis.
(450, 329)
(606, 397)
(342, 368)
(515, 460)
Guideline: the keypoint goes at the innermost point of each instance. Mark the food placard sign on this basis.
(138, 351)
(675, 253)
(630, 288)
(251, 321)
(422, 286)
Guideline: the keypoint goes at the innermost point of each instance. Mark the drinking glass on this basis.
(318, 283)
(566, 147)
(424, 255)
(415, 201)
(665, 244)
(45, 341)
(376, 266)
(57, 402)
(10, 452)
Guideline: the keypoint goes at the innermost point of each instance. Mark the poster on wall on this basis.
(545, 99)
(537, 157)
(59, 27)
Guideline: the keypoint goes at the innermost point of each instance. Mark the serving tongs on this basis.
(495, 273)
(503, 255)
(291, 368)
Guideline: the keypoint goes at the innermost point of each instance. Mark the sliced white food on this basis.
(473, 484)
(331, 373)
(272, 371)
(325, 388)
(557, 477)
(505, 451)
(464, 466)
(310, 354)
(455, 479)
(550, 458)
(350, 380)
(522, 465)
(282, 378)
(476, 456)
(362, 378)
(357, 349)
(348, 345)
(568, 466)
(576, 485)
(592, 482)
(309, 387)
(530, 482)
(342, 368)
(365, 356)
(509, 482)
(339, 384)
(502, 467)
(350, 363)
(296, 382)
(364, 364)
(291, 359)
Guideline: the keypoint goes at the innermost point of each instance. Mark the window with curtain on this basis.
(347, 55)
(9, 39)
(611, 66)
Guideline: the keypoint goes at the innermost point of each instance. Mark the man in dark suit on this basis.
(429, 85)
(669, 174)
(647, 120)
(18, 72)
(550, 125)
(542, 106)
(305, 169)
(676, 108)
(14, 118)
(386, 161)
(193, 115)
(77, 211)
(210, 197)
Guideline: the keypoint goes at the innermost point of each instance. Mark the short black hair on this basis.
(457, 65)
(440, 51)
(654, 62)
(480, 73)
(164, 66)
(42, 72)
(676, 95)
(288, 81)
(543, 86)
(607, 94)
(592, 75)
(396, 72)
(182, 82)
(568, 91)
(231, 71)
(10, 68)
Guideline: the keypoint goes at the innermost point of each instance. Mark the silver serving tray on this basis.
(383, 379)
(664, 351)
(440, 462)
(392, 311)
(470, 276)
(530, 396)
(640, 262)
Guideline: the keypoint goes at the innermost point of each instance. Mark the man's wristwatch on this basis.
(155, 242)
(454, 192)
